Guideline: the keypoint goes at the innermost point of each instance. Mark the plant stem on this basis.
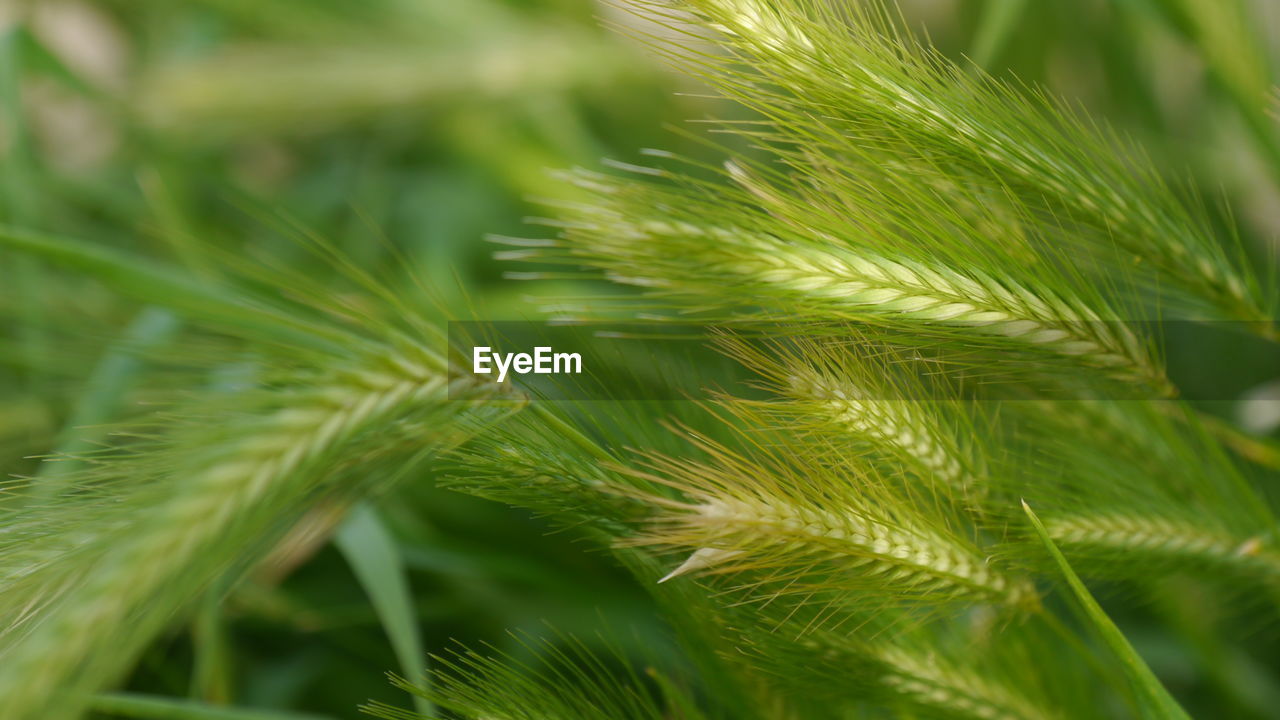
(145, 707)
(999, 18)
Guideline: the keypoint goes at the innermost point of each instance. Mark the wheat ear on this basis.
(848, 394)
(885, 90)
(929, 682)
(212, 515)
(887, 421)
(910, 558)
(1166, 539)
(839, 281)
(788, 521)
(905, 668)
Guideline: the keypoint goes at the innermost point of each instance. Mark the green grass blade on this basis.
(165, 192)
(212, 668)
(999, 18)
(114, 375)
(376, 560)
(21, 199)
(1140, 673)
(170, 287)
(144, 707)
(39, 57)
(1223, 32)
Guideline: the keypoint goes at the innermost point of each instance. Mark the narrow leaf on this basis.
(113, 377)
(999, 19)
(1140, 673)
(146, 707)
(167, 286)
(376, 560)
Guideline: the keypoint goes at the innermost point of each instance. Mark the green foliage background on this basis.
(214, 132)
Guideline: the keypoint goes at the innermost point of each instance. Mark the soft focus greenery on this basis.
(233, 230)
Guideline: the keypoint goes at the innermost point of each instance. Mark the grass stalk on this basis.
(998, 22)
(1139, 672)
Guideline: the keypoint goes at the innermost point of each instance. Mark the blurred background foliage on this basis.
(411, 129)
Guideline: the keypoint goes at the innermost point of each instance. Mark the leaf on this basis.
(115, 374)
(376, 560)
(170, 287)
(147, 707)
(1140, 673)
(21, 198)
(212, 674)
(999, 20)
(40, 57)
